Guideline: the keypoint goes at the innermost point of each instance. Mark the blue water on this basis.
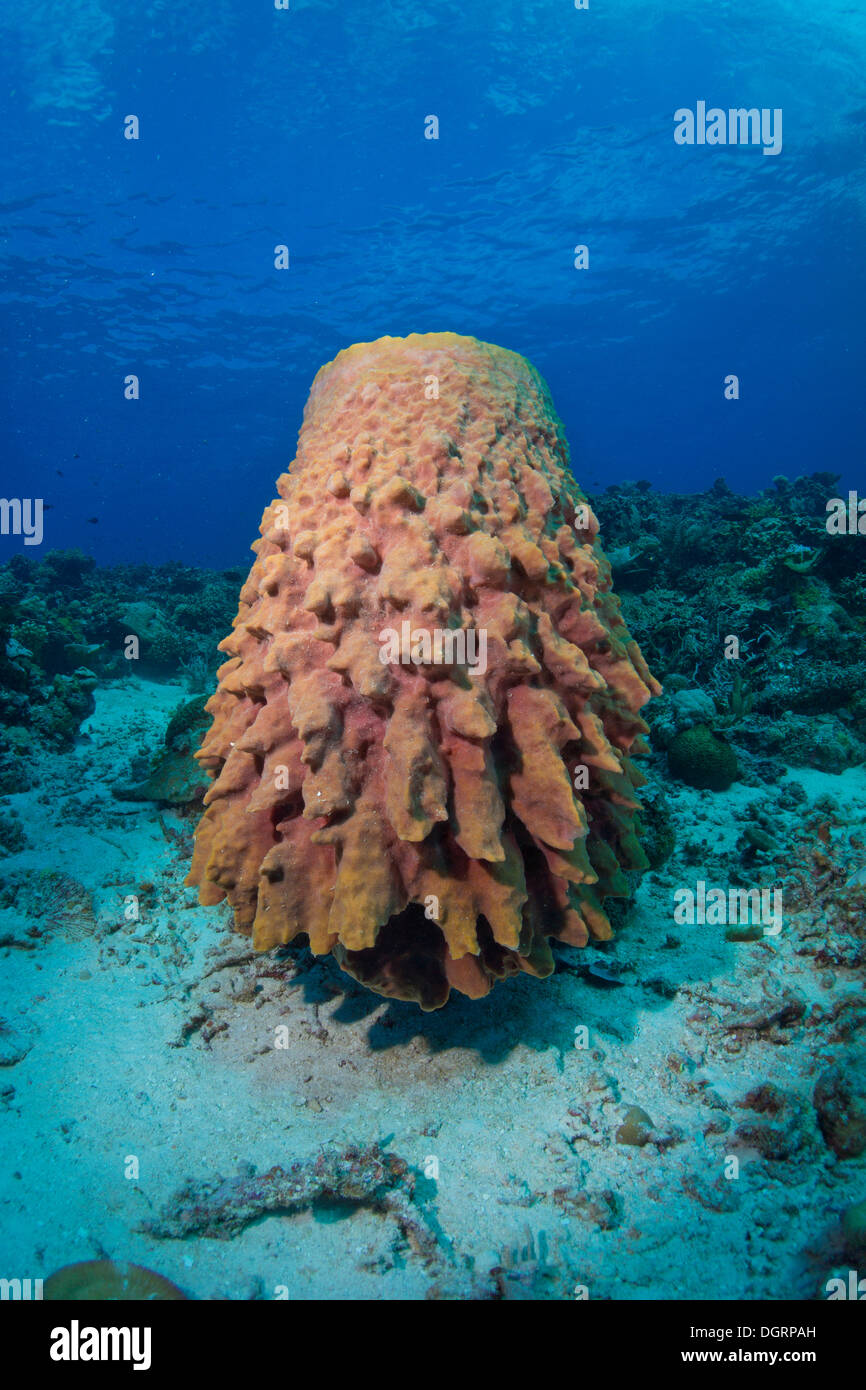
(306, 127)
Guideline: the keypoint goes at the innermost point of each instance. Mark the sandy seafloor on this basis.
(532, 1181)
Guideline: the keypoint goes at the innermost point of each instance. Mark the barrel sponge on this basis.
(429, 812)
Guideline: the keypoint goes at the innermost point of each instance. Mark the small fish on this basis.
(58, 472)
(92, 520)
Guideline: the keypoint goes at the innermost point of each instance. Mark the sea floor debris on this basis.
(223, 1207)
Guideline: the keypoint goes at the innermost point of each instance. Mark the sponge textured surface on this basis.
(433, 818)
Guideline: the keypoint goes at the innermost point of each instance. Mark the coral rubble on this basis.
(429, 818)
(372, 1177)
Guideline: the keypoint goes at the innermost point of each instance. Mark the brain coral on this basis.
(427, 811)
(702, 758)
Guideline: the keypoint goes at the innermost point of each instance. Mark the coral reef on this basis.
(794, 696)
(429, 817)
(702, 1042)
(692, 571)
(65, 627)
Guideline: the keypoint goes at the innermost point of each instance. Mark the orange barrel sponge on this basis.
(422, 736)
